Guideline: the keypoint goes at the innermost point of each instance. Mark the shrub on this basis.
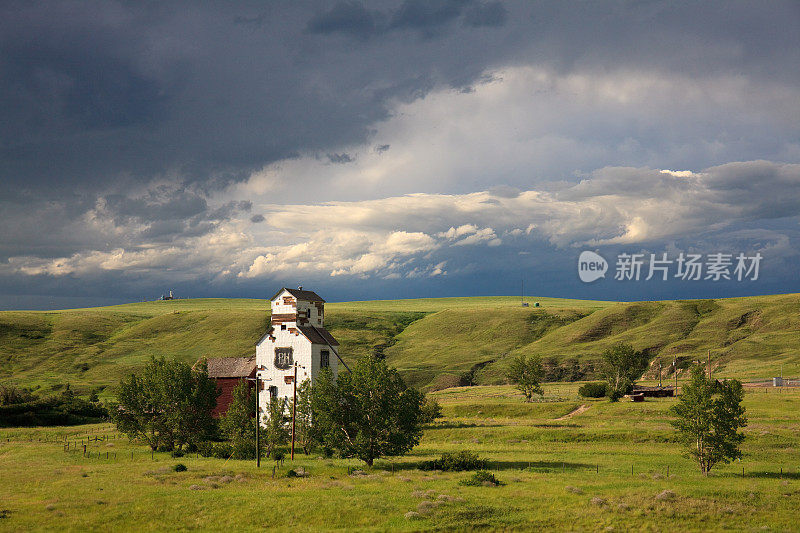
(177, 453)
(430, 410)
(481, 478)
(180, 467)
(9, 394)
(220, 450)
(297, 472)
(456, 462)
(593, 390)
(52, 411)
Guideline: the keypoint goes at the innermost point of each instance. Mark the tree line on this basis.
(367, 413)
(25, 407)
(371, 412)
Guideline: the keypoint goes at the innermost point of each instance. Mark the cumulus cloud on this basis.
(412, 234)
(342, 252)
(521, 123)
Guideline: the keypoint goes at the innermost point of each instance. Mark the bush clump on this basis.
(482, 478)
(430, 410)
(180, 467)
(594, 390)
(456, 462)
(20, 407)
(219, 450)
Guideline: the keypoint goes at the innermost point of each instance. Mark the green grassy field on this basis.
(431, 341)
(607, 467)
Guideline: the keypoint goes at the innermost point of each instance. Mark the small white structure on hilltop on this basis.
(296, 338)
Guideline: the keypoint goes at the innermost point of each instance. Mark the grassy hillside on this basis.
(432, 341)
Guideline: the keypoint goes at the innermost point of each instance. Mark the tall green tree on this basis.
(526, 374)
(708, 417)
(238, 424)
(304, 435)
(368, 413)
(621, 366)
(168, 404)
(275, 431)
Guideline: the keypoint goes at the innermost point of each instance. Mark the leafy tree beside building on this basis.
(274, 432)
(368, 413)
(168, 405)
(304, 435)
(238, 424)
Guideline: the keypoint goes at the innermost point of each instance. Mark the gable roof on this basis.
(308, 296)
(231, 367)
(318, 335)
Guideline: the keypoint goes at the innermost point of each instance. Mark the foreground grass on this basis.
(621, 455)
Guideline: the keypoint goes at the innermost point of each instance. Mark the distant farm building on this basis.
(653, 392)
(228, 372)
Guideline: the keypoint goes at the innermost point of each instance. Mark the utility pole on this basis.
(258, 426)
(294, 406)
(675, 371)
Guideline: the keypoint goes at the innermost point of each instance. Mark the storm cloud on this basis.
(143, 144)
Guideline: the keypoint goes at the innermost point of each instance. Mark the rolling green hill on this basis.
(433, 342)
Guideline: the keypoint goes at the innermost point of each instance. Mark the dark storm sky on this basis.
(392, 149)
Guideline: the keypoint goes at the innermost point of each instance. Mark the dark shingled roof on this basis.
(231, 367)
(318, 335)
(308, 296)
